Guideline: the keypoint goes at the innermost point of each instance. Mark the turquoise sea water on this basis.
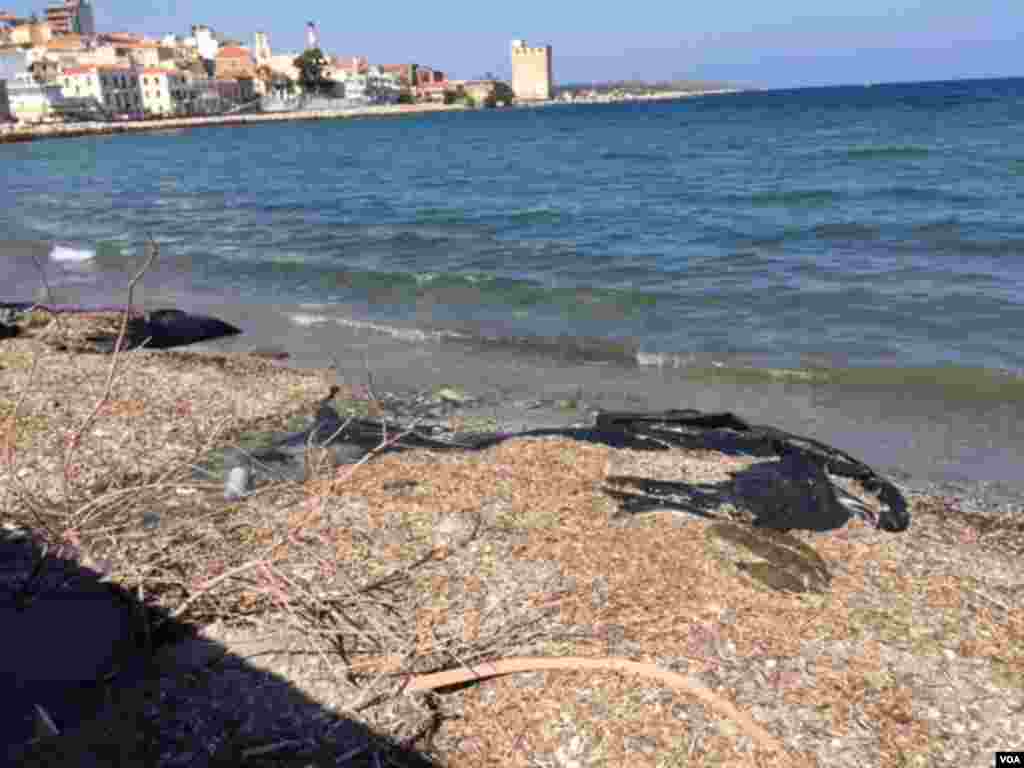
(857, 228)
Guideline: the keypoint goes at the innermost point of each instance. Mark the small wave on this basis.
(66, 253)
(535, 216)
(306, 320)
(847, 231)
(641, 157)
(894, 151)
(1002, 247)
(926, 195)
(423, 278)
(440, 216)
(946, 226)
(665, 360)
(403, 334)
(804, 198)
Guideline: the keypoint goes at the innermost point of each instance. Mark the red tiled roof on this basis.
(233, 52)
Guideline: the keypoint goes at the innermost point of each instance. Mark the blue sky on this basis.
(781, 44)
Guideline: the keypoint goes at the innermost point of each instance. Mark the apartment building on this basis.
(116, 89)
(165, 92)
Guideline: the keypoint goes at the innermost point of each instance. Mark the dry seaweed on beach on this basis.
(852, 648)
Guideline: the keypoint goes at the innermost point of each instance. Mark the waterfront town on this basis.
(57, 68)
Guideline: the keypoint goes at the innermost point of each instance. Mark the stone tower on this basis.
(531, 72)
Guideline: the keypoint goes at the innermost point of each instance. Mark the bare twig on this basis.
(212, 583)
(104, 398)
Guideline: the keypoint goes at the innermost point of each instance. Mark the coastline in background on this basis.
(17, 132)
(20, 133)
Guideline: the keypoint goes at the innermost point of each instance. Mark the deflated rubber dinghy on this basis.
(166, 328)
(158, 329)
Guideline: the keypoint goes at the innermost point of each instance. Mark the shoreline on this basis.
(938, 441)
(654, 96)
(15, 133)
(10, 134)
(935, 444)
(409, 377)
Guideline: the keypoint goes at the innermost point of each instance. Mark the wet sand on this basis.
(921, 437)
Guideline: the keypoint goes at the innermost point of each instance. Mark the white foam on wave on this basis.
(670, 360)
(303, 319)
(424, 278)
(66, 253)
(664, 360)
(403, 334)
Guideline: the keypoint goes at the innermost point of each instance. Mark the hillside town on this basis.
(56, 67)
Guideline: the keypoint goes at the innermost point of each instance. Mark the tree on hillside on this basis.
(311, 66)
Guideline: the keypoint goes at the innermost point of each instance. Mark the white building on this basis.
(371, 87)
(118, 90)
(81, 83)
(205, 42)
(31, 101)
(164, 92)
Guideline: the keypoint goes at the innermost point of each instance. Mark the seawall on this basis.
(16, 133)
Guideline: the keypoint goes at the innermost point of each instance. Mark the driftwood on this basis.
(683, 683)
